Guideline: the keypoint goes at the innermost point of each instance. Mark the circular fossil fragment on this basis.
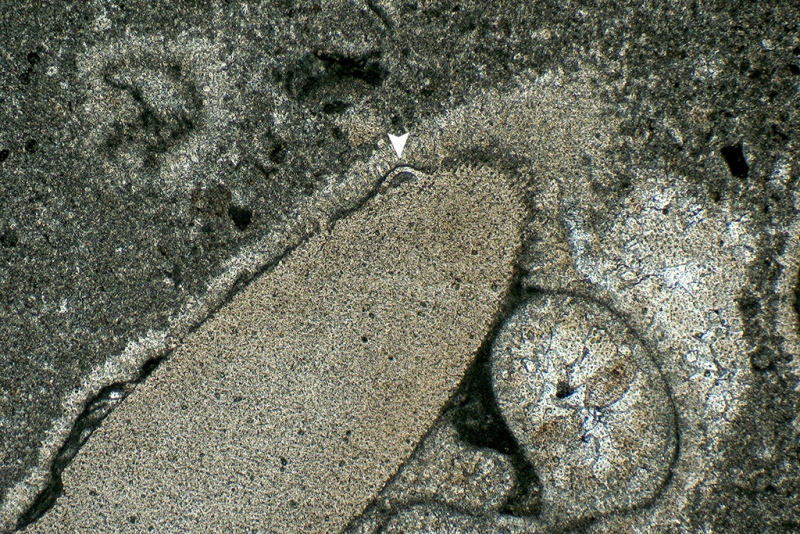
(586, 404)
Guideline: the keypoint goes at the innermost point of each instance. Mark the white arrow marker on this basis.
(398, 143)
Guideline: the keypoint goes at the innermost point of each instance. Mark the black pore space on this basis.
(8, 239)
(563, 390)
(476, 415)
(31, 146)
(33, 58)
(335, 106)
(4, 154)
(734, 157)
(794, 69)
(241, 217)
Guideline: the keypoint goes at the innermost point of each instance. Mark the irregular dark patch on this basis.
(157, 127)
(4, 154)
(326, 74)
(277, 153)
(563, 390)
(380, 13)
(366, 68)
(9, 239)
(335, 106)
(241, 217)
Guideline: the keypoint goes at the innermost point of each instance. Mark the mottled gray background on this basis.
(143, 147)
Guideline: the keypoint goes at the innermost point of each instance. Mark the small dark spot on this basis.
(335, 106)
(734, 157)
(33, 58)
(31, 146)
(4, 154)
(764, 358)
(341, 463)
(337, 132)
(25, 77)
(133, 519)
(397, 123)
(277, 154)
(665, 211)
(796, 50)
(241, 217)
(364, 339)
(794, 69)
(292, 503)
(284, 461)
(238, 398)
(563, 390)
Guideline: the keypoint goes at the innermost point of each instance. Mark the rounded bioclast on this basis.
(586, 404)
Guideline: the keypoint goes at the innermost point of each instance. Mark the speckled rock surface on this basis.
(155, 159)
